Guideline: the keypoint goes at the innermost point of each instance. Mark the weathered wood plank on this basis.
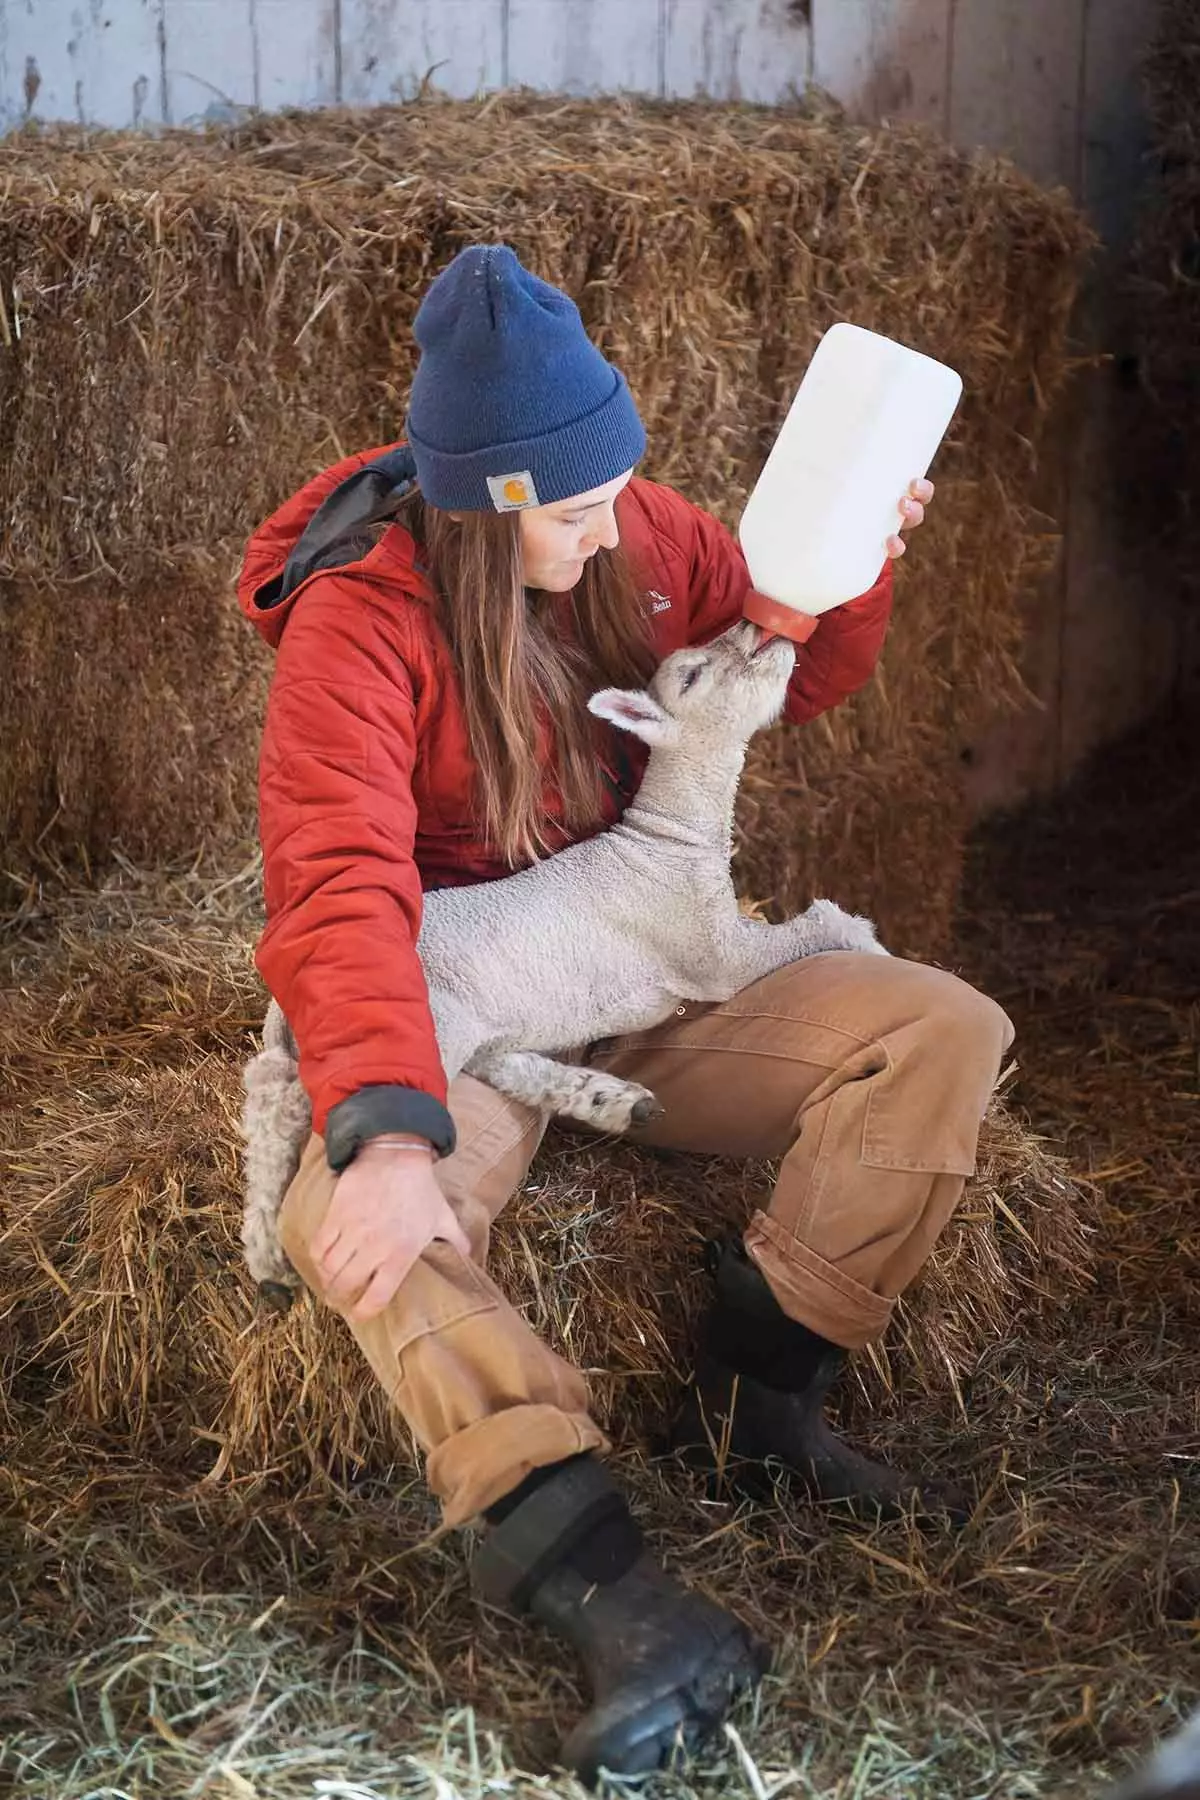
(98, 65)
(389, 47)
(1121, 624)
(577, 47)
(1114, 124)
(885, 60)
(211, 60)
(299, 52)
(1015, 77)
(1015, 80)
(736, 49)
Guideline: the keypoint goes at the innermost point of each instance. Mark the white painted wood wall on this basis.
(1053, 83)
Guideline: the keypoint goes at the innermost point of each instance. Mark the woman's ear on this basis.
(632, 710)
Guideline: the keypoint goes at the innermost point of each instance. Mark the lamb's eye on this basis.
(690, 679)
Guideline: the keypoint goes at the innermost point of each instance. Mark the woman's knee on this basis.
(893, 995)
(965, 1014)
(872, 998)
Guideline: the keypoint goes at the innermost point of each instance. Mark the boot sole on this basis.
(931, 1505)
(647, 1732)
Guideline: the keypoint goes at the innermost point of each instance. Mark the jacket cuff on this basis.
(374, 1110)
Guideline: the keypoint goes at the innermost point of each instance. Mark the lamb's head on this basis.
(719, 693)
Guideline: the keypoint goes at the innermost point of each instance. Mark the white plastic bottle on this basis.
(867, 419)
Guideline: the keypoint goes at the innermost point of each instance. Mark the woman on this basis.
(449, 605)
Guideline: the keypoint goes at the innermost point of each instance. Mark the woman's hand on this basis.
(387, 1209)
(913, 505)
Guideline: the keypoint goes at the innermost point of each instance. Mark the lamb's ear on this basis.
(631, 710)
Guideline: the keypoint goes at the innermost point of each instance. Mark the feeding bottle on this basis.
(867, 419)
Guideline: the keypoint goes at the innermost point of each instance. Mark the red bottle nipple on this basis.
(778, 620)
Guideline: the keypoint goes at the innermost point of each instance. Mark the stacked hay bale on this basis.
(1167, 263)
(193, 325)
(119, 1219)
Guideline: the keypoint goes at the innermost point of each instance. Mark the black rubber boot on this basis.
(664, 1665)
(756, 1409)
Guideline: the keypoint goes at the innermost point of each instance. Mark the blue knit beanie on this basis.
(512, 405)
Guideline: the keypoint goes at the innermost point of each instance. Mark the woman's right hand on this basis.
(387, 1209)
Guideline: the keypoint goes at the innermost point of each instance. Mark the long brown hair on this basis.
(527, 662)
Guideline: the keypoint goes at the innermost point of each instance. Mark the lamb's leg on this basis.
(276, 1121)
(756, 948)
(277, 1033)
(826, 927)
(587, 1095)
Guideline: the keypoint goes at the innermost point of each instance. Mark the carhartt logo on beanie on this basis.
(512, 405)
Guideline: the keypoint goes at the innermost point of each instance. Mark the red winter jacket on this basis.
(365, 778)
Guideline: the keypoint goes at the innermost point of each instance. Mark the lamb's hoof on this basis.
(646, 1111)
(276, 1296)
(611, 1104)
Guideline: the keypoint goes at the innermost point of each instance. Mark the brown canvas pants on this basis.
(867, 1075)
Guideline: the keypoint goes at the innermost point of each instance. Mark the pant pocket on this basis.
(925, 1123)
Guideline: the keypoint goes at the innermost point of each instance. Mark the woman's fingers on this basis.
(912, 513)
(456, 1237)
(379, 1291)
(363, 1257)
(324, 1237)
(347, 1281)
(338, 1256)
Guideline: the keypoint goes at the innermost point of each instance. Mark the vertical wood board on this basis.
(93, 62)
(1120, 625)
(1114, 123)
(577, 47)
(211, 59)
(758, 50)
(299, 51)
(885, 59)
(390, 48)
(1015, 83)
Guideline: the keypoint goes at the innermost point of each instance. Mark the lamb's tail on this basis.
(276, 1122)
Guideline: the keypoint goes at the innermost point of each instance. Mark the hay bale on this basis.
(1166, 265)
(135, 710)
(119, 1220)
(204, 320)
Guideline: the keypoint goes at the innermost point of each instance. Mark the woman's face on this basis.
(557, 540)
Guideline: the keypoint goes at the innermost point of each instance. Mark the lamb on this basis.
(607, 937)
(1173, 1772)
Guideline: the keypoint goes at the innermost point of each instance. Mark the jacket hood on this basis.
(325, 525)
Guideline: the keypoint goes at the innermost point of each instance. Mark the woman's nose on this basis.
(606, 532)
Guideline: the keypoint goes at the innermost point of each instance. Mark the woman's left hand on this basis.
(913, 505)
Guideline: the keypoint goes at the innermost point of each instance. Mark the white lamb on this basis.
(604, 938)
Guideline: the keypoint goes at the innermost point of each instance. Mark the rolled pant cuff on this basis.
(814, 1292)
(486, 1460)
